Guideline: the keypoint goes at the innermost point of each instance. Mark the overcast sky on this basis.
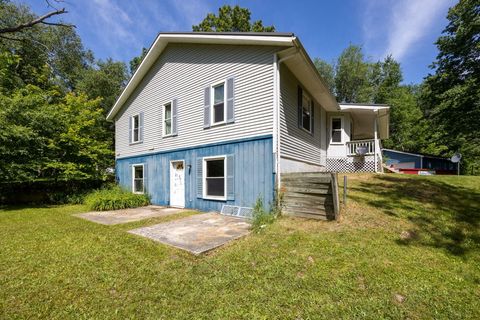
(407, 29)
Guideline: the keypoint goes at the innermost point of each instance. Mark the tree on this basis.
(136, 61)
(452, 93)
(327, 71)
(405, 116)
(384, 77)
(351, 76)
(47, 130)
(43, 46)
(14, 26)
(44, 134)
(230, 19)
(78, 151)
(105, 80)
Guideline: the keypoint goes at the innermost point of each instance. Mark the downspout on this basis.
(275, 122)
(375, 143)
(276, 113)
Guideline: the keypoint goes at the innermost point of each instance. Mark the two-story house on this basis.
(215, 118)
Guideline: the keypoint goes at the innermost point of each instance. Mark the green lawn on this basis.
(416, 237)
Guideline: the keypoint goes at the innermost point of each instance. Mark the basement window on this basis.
(214, 178)
(137, 178)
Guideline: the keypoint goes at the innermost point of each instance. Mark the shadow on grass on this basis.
(16, 207)
(446, 216)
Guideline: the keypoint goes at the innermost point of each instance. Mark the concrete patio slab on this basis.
(197, 234)
(128, 215)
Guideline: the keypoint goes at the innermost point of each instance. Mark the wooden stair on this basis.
(312, 195)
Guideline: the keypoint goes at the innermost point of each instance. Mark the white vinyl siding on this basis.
(297, 143)
(183, 72)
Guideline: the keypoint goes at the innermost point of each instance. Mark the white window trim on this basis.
(133, 177)
(342, 129)
(311, 108)
(163, 119)
(204, 177)
(132, 119)
(212, 102)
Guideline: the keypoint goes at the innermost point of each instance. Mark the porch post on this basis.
(375, 142)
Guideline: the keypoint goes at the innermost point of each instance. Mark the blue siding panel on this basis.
(254, 176)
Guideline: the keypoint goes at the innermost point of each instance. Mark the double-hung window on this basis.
(135, 128)
(337, 129)
(138, 178)
(167, 119)
(214, 180)
(218, 104)
(307, 113)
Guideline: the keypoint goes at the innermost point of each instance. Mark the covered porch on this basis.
(354, 143)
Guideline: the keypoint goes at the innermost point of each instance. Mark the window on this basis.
(135, 128)
(167, 119)
(337, 128)
(137, 178)
(306, 113)
(218, 107)
(214, 178)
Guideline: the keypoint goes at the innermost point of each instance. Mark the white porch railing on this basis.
(352, 147)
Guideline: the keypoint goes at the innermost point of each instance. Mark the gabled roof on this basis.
(235, 38)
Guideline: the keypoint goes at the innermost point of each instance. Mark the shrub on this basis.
(114, 198)
(262, 217)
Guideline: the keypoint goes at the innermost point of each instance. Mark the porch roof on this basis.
(360, 112)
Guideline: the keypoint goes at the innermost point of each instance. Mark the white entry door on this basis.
(177, 184)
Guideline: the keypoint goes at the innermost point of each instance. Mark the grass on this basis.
(414, 237)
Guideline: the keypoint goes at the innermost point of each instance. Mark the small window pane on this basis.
(135, 122)
(337, 136)
(168, 111)
(168, 127)
(138, 185)
(218, 94)
(306, 121)
(218, 113)
(135, 135)
(215, 168)
(139, 172)
(336, 124)
(216, 187)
